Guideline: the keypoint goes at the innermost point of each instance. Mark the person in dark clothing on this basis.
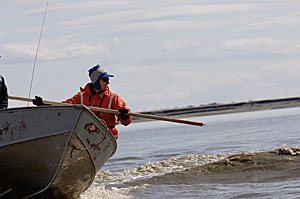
(3, 94)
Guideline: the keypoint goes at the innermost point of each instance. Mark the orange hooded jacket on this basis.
(102, 100)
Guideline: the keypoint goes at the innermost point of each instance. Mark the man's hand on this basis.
(38, 101)
(123, 113)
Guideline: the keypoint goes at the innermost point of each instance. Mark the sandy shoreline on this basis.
(216, 109)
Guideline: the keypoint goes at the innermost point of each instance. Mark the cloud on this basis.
(51, 49)
(14, 32)
(224, 52)
(165, 15)
(135, 17)
(179, 52)
(287, 69)
(178, 45)
(271, 22)
(267, 46)
(61, 6)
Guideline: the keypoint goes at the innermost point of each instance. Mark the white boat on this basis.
(51, 151)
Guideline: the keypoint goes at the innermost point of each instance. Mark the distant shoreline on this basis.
(215, 109)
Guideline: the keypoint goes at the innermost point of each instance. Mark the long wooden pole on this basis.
(104, 110)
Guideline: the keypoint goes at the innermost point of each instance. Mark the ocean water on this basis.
(233, 156)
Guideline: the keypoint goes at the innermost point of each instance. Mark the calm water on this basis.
(231, 157)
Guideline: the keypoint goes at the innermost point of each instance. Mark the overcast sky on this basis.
(164, 54)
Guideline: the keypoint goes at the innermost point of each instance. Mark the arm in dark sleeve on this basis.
(3, 95)
(119, 103)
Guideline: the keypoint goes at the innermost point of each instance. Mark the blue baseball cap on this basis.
(97, 73)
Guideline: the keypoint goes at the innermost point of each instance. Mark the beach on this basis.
(215, 108)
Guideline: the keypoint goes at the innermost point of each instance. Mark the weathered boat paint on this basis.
(52, 151)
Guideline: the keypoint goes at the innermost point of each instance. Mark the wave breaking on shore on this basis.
(249, 167)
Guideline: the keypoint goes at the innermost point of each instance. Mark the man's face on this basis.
(104, 83)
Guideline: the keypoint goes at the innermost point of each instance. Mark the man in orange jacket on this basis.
(98, 94)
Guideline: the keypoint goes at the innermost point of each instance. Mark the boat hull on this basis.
(51, 152)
